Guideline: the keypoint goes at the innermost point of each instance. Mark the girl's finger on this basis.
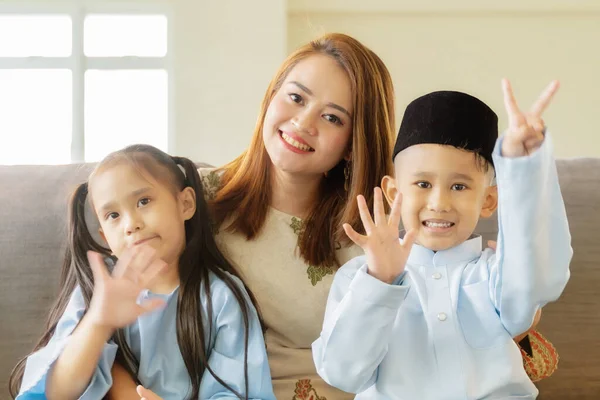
(396, 212)
(152, 272)
(378, 209)
(545, 98)
(150, 305)
(365, 216)
(356, 237)
(99, 270)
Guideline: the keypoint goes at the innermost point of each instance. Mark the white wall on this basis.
(226, 52)
(470, 45)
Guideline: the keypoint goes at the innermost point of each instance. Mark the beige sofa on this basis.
(33, 203)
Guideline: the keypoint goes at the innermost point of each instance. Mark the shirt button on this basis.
(436, 276)
(442, 316)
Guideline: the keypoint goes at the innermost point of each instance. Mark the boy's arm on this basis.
(359, 318)
(531, 266)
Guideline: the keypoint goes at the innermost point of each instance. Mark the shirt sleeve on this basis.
(531, 265)
(359, 318)
(227, 355)
(38, 365)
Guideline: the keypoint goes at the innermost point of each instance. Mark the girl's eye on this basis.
(458, 187)
(424, 185)
(296, 98)
(112, 215)
(333, 119)
(143, 202)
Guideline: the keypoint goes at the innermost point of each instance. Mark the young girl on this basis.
(171, 310)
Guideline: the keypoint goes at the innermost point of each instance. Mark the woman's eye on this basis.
(333, 119)
(296, 98)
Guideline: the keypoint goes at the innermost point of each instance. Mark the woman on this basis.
(279, 207)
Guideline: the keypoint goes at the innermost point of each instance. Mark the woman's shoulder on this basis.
(211, 180)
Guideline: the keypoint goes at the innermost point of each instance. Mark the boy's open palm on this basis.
(386, 254)
(114, 303)
(525, 130)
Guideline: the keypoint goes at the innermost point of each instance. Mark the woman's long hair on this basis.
(200, 257)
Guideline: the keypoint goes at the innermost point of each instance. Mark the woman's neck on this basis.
(292, 193)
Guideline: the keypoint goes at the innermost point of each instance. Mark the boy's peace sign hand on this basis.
(386, 255)
(525, 130)
(114, 303)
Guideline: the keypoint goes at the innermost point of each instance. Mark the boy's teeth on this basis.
(294, 143)
(438, 224)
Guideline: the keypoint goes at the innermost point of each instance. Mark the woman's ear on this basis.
(490, 203)
(389, 189)
(187, 200)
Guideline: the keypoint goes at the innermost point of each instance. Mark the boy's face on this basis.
(444, 192)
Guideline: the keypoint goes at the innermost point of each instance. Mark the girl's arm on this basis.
(70, 375)
(227, 355)
(94, 361)
(123, 387)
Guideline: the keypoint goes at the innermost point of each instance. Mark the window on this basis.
(79, 82)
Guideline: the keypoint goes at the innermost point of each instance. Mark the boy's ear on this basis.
(389, 189)
(490, 203)
(187, 199)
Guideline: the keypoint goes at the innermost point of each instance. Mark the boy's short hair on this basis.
(449, 118)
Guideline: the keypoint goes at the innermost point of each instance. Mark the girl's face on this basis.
(308, 124)
(134, 208)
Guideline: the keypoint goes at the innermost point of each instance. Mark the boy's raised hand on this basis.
(386, 255)
(114, 303)
(525, 130)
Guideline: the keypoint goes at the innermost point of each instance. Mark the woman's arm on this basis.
(124, 387)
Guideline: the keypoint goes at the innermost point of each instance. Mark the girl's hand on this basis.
(386, 254)
(114, 302)
(146, 394)
(525, 130)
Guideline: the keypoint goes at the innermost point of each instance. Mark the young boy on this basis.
(435, 320)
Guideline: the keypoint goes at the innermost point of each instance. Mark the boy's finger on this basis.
(545, 98)
(378, 209)
(365, 216)
(356, 237)
(510, 103)
(396, 212)
(409, 239)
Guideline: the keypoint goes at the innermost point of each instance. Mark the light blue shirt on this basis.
(153, 340)
(444, 329)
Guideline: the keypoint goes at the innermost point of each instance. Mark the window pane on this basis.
(35, 35)
(123, 108)
(125, 35)
(36, 122)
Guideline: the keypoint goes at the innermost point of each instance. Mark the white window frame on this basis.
(79, 63)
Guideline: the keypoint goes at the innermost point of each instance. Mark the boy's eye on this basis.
(458, 187)
(143, 202)
(424, 185)
(296, 98)
(333, 119)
